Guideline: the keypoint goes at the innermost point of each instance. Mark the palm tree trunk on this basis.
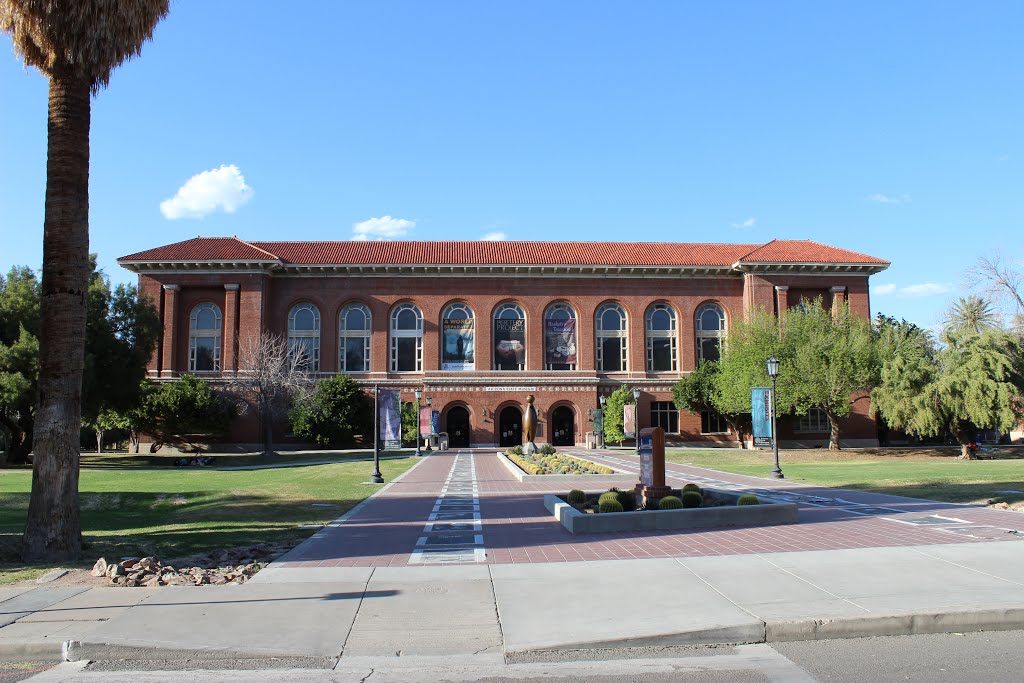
(53, 531)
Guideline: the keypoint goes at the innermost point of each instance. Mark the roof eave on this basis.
(832, 267)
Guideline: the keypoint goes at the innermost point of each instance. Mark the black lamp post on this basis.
(773, 374)
(428, 449)
(419, 394)
(376, 477)
(602, 400)
(636, 418)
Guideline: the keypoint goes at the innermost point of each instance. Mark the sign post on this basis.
(652, 488)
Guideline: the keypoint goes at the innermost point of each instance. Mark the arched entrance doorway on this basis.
(563, 426)
(458, 427)
(510, 427)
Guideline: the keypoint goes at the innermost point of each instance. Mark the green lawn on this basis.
(934, 474)
(182, 511)
(122, 460)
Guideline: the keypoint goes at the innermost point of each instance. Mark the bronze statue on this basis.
(530, 425)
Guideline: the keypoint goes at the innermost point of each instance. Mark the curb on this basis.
(908, 624)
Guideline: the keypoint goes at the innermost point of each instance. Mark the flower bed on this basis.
(556, 463)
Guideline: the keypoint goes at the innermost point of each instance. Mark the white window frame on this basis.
(468, 315)
(563, 307)
(701, 334)
(194, 333)
(622, 333)
(672, 334)
(344, 334)
(395, 334)
(308, 340)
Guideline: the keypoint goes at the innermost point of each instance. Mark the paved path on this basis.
(421, 519)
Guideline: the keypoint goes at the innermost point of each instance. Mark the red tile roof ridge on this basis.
(250, 244)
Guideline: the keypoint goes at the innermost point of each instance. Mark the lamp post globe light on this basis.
(419, 394)
(773, 374)
(602, 400)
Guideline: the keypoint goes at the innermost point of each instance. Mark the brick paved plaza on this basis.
(466, 507)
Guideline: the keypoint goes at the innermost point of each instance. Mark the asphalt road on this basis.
(992, 657)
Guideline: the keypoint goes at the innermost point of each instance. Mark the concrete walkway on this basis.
(857, 565)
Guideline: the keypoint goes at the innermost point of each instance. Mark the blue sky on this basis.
(888, 128)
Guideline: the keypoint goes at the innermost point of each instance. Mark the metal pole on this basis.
(376, 478)
(777, 471)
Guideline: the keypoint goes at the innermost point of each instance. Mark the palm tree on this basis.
(76, 44)
(972, 315)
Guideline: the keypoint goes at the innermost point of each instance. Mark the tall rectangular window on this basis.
(664, 414)
(816, 420)
(713, 423)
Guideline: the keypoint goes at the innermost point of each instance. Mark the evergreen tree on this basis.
(334, 414)
(613, 409)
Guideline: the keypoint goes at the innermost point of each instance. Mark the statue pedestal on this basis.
(530, 448)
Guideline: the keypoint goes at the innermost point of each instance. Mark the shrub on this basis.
(333, 414)
(576, 496)
(692, 499)
(546, 449)
(610, 506)
(670, 503)
(748, 499)
(627, 499)
(691, 487)
(515, 450)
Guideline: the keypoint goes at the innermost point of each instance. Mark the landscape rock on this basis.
(100, 568)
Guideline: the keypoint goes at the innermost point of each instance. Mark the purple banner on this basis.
(560, 341)
(390, 419)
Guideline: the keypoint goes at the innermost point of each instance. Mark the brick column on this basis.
(838, 299)
(781, 302)
(170, 342)
(230, 363)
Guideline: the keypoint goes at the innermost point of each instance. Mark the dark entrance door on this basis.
(563, 427)
(458, 427)
(510, 427)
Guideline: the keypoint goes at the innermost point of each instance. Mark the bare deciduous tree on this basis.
(1002, 280)
(274, 376)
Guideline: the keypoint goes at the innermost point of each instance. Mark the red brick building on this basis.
(479, 325)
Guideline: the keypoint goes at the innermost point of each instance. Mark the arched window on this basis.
(304, 337)
(204, 339)
(406, 339)
(354, 331)
(457, 338)
(509, 338)
(661, 339)
(612, 338)
(709, 327)
(560, 337)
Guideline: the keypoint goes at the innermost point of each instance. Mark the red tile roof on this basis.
(501, 253)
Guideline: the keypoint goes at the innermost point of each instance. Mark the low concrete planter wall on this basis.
(693, 518)
(519, 474)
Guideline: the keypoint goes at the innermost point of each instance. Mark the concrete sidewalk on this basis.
(486, 611)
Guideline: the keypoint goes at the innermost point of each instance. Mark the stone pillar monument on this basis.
(530, 426)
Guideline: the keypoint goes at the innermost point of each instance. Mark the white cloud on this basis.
(749, 223)
(910, 291)
(924, 289)
(889, 199)
(494, 237)
(221, 188)
(383, 228)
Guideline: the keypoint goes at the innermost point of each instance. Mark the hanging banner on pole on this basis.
(390, 419)
(426, 426)
(629, 420)
(598, 421)
(761, 411)
(435, 422)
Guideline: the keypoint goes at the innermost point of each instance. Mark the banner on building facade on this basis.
(509, 343)
(761, 411)
(390, 418)
(435, 421)
(629, 419)
(426, 424)
(457, 352)
(560, 341)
